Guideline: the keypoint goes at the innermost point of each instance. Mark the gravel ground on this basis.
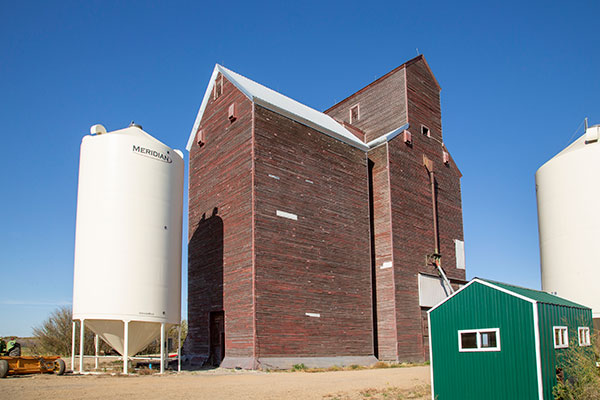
(390, 383)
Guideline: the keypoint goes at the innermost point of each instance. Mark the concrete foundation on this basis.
(289, 362)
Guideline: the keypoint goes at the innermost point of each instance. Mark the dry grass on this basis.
(146, 371)
(381, 364)
(354, 367)
(391, 393)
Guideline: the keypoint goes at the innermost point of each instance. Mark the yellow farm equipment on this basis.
(30, 365)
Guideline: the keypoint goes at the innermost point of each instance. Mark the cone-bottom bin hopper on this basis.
(141, 334)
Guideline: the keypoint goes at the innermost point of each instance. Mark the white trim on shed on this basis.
(538, 351)
(536, 330)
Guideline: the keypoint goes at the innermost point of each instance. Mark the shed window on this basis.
(468, 340)
(354, 114)
(561, 337)
(584, 336)
(479, 340)
(488, 340)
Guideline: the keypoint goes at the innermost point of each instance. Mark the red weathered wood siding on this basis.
(382, 106)
(385, 287)
(412, 214)
(423, 99)
(220, 243)
(424, 108)
(266, 271)
(319, 263)
(410, 93)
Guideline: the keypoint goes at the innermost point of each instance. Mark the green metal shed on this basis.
(490, 340)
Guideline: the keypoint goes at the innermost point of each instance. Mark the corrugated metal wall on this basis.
(549, 316)
(507, 374)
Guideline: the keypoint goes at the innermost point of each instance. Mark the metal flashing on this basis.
(312, 124)
(279, 103)
(205, 100)
(388, 136)
(287, 107)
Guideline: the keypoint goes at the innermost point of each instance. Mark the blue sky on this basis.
(517, 80)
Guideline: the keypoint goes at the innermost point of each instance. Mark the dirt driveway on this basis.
(226, 384)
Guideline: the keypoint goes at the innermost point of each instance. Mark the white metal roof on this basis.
(279, 103)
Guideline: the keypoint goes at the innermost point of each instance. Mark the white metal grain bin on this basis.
(127, 278)
(568, 188)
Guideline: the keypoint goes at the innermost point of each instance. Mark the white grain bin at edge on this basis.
(128, 237)
(568, 191)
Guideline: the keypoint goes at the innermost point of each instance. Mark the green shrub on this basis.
(299, 367)
(581, 375)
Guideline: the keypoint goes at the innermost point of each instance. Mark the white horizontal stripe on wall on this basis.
(385, 265)
(287, 215)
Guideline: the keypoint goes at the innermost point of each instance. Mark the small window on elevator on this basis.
(354, 114)
(218, 87)
(425, 130)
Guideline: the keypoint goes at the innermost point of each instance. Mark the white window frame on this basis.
(564, 335)
(479, 332)
(586, 337)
